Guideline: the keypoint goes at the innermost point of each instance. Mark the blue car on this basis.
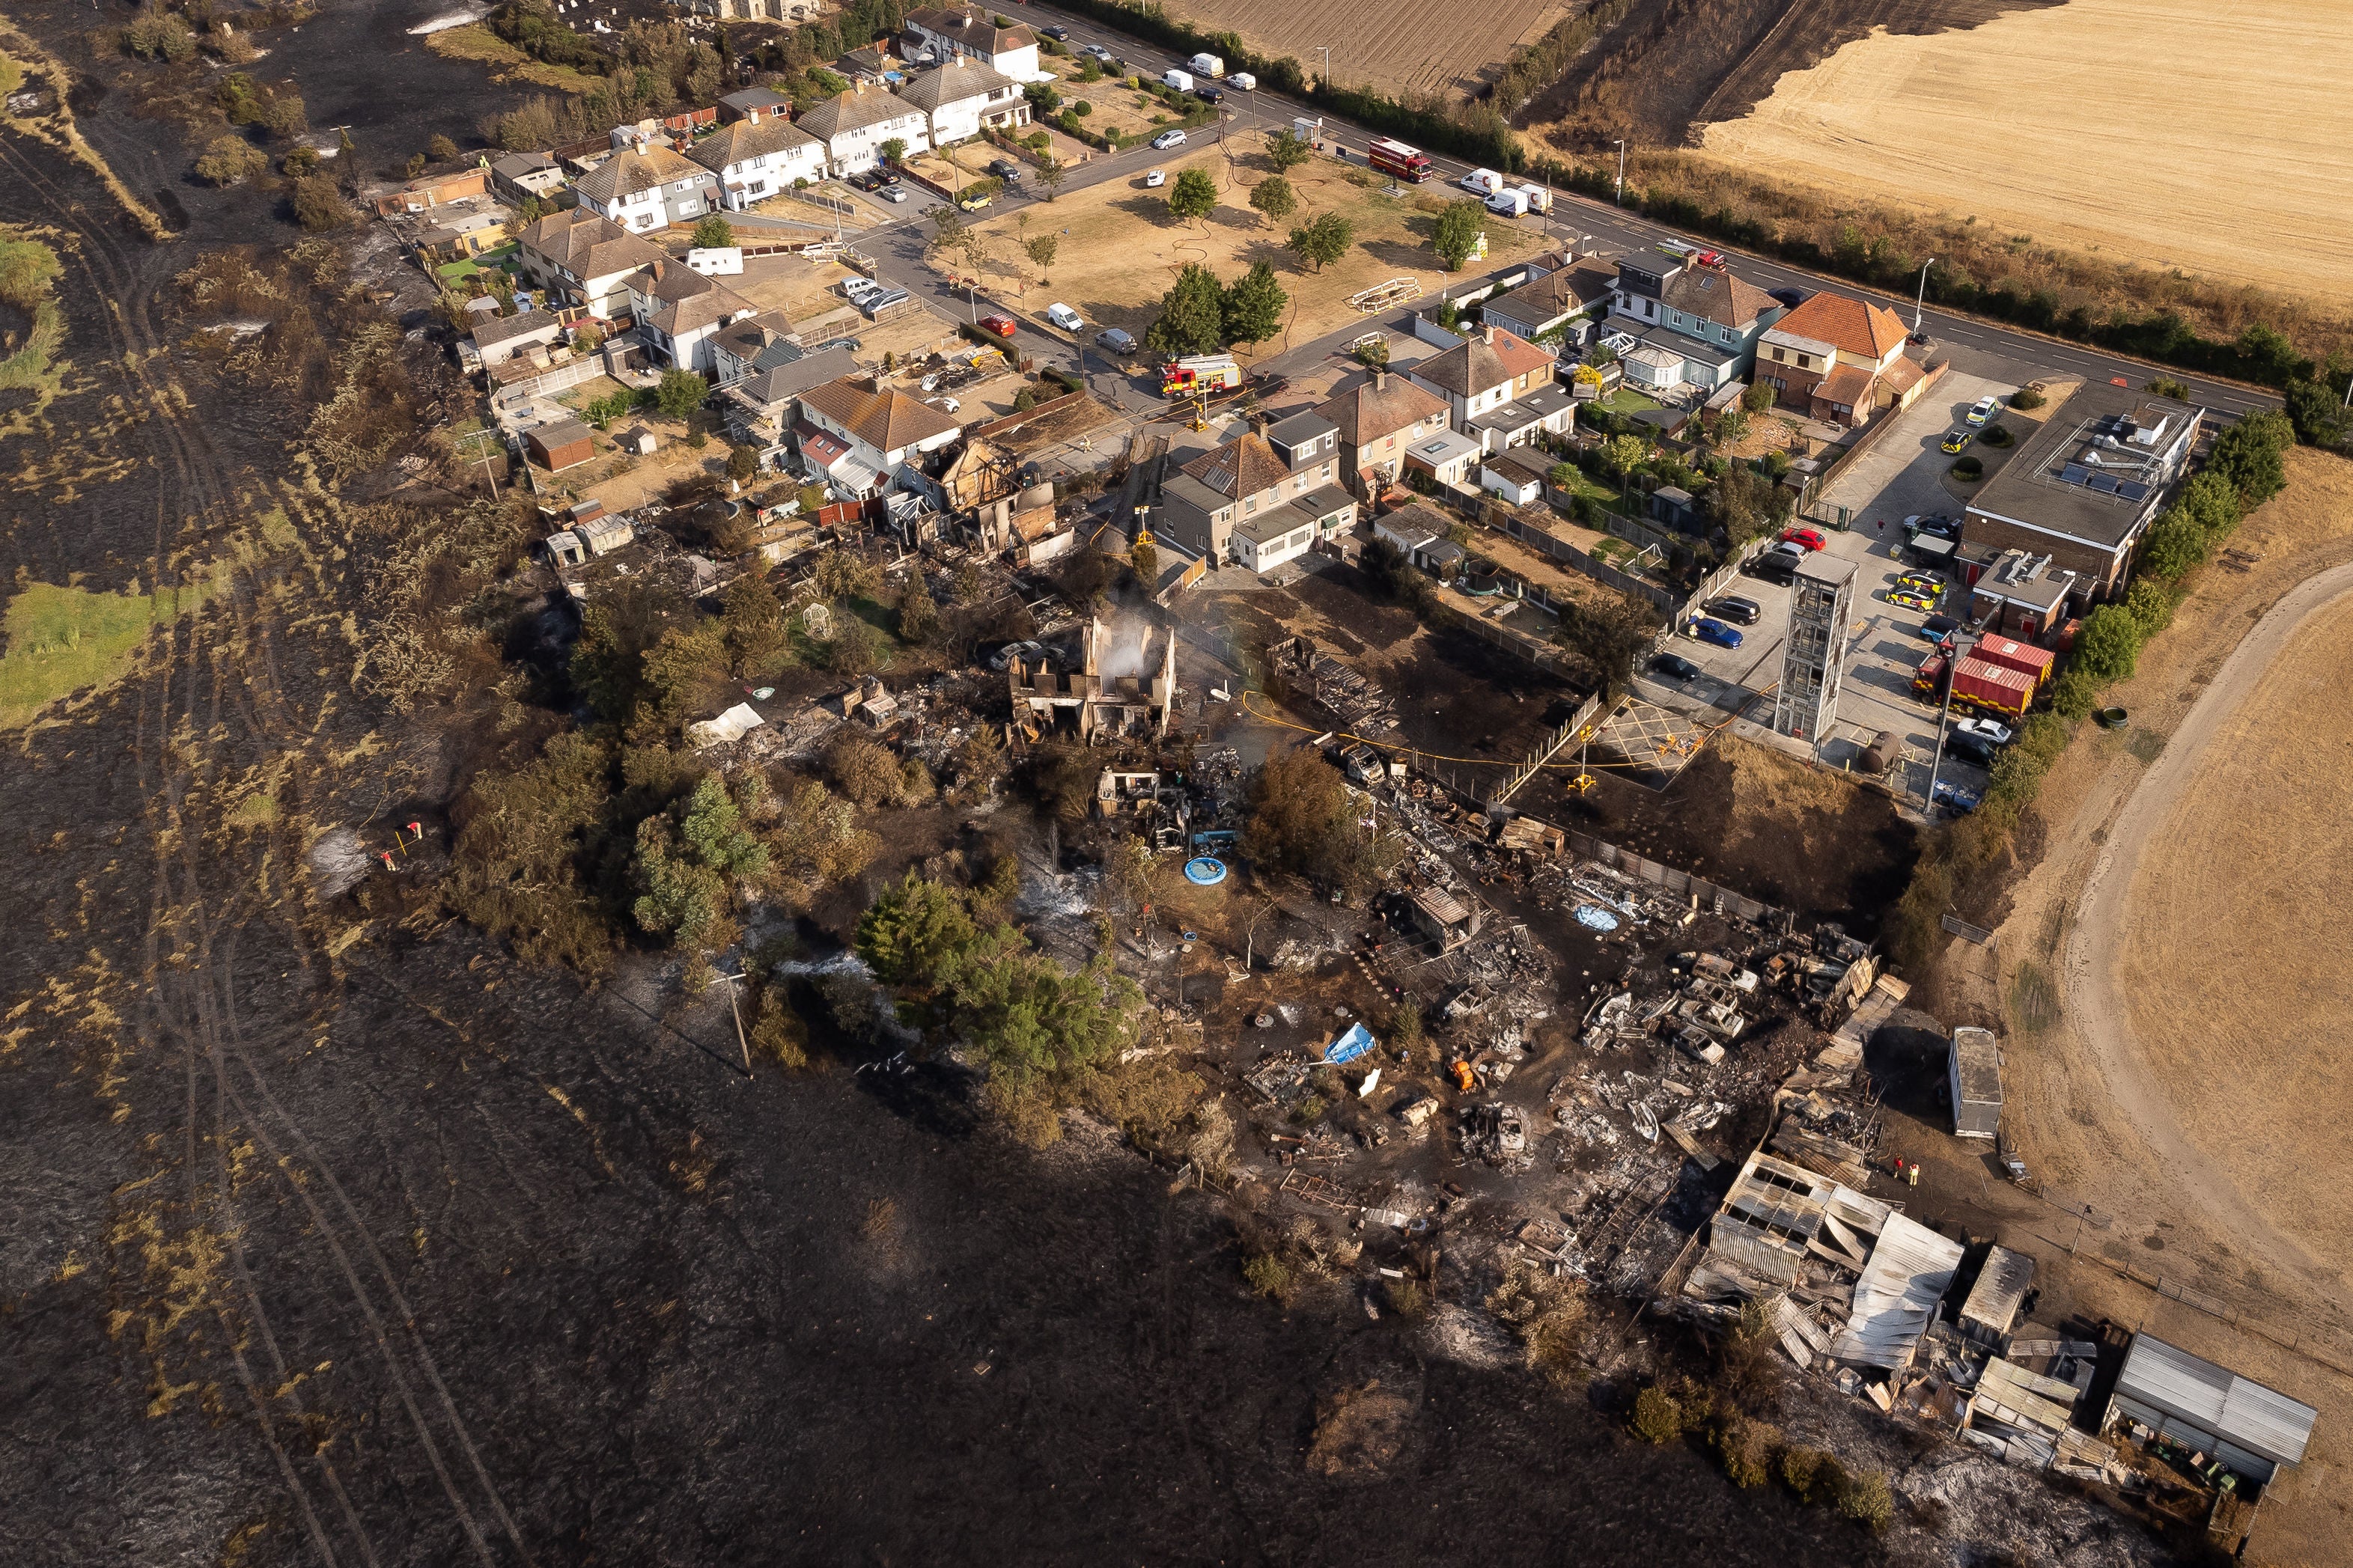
(1708, 630)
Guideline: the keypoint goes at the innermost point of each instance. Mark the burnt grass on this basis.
(335, 1235)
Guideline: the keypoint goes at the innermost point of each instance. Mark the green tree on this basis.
(753, 621)
(2108, 647)
(1322, 239)
(1302, 821)
(919, 614)
(1286, 150)
(686, 856)
(1731, 427)
(1456, 233)
(2251, 453)
(1621, 454)
(743, 461)
(894, 151)
(1253, 306)
(319, 206)
(1758, 398)
(1275, 198)
(1194, 195)
(441, 148)
(1042, 248)
(1607, 634)
(1192, 317)
(1051, 174)
(855, 648)
(713, 232)
(680, 394)
(2318, 414)
(910, 935)
(228, 159)
(2175, 544)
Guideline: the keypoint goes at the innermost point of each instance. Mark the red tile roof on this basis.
(1850, 325)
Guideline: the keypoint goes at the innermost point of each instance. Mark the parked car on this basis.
(1168, 139)
(1790, 298)
(1097, 50)
(1210, 94)
(1971, 748)
(1154, 180)
(1731, 608)
(1116, 340)
(859, 288)
(1939, 627)
(893, 191)
(1005, 168)
(1058, 34)
(1774, 567)
(1920, 582)
(1913, 599)
(1983, 409)
(1959, 439)
(1675, 667)
(1709, 630)
(1805, 538)
(975, 203)
(1930, 522)
(1003, 326)
(1992, 731)
(868, 180)
(1062, 316)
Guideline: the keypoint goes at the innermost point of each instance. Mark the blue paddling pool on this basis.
(1205, 871)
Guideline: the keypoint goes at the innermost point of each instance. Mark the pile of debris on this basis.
(1357, 702)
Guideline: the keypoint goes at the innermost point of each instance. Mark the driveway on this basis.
(1902, 474)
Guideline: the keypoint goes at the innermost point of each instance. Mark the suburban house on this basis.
(429, 191)
(584, 259)
(1008, 52)
(520, 175)
(874, 64)
(1548, 411)
(648, 186)
(1700, 323)
(874, 429)
(961, 97)
(855, 124)
(1485, 369)
(763, 406)
(1262, 498)
(749, 344)
(1824, 359)
(1376, 420)
(679, 310)
(1560, 306)
(2085, 484)
(764, 102)
(759, 155)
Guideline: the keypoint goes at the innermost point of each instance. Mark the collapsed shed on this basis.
(1896, 1299)
(1996, 1299)
(2251, 1428)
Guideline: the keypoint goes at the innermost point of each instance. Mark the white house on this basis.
(757, 156)
(1484, 370)
(881, 429)
(680, 310)
(648, 186)
(959, 97)
(584, 259)
(1008, 52)
(854, 125)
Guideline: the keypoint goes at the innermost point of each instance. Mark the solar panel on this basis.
(2074, 474)
(2105, 483)
(2132, 490)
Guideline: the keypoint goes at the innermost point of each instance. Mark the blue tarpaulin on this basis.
(1350, 1046)
(1595, 918)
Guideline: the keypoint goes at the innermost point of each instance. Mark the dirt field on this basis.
(1120, 249)
(1395, 50)
(2009, 122)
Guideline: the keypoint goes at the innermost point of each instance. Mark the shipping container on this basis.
(2024, 657)
(1992, 688)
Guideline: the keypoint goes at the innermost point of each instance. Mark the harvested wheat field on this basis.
(1119, 250)
(2207, 135)
(2236, 967)
(1395, 50)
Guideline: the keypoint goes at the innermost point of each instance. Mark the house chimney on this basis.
(1380, 379)
(752, 115)
(1490, 331)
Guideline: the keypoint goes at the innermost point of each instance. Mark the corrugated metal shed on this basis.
(1975, 1071)
(1896, 1299)
(1773, 1210)
(1994, 1301)
(2250, 1427)
(2017, 1397)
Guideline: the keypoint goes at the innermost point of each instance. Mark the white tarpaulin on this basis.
(732, 725)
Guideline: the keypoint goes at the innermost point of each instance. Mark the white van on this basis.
(1242, 81)
(1481, 182)
(1539, 198)
(1181, 80)
(1209, 66)
(1508, 204)
(1062, 316)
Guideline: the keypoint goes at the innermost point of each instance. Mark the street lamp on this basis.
(1621, 172)
(1918, 304)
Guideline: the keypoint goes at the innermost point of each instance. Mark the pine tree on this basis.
(1192, 318)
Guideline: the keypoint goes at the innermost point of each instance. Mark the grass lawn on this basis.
(63, 639)
(1120, 249)
(1626, 400)
(455, 272)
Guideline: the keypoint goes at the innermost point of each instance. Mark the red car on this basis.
(1005, 327)
(1810, 538)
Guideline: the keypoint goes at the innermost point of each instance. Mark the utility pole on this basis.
(1325, 80)
(1943, 717)
(1920, 303)
(1621, 172)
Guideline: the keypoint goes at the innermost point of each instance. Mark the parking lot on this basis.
(1899, 477)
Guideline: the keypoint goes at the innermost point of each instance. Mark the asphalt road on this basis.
(1978, 347)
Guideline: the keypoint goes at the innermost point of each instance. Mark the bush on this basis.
(1865, 1499)
(680, 392)
(2108, 647)
(713, 232)
(441, 148)
(160, 36)
(1407, 1298)
(1745, 1447)
(1658, 1419)
(2027, 398)
(2151, 605)
(1804, 1470)
(228, 159)
(1267, 1276)
(1969, 469)
(1997, 436)
(320, 206)
(2074, 694)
